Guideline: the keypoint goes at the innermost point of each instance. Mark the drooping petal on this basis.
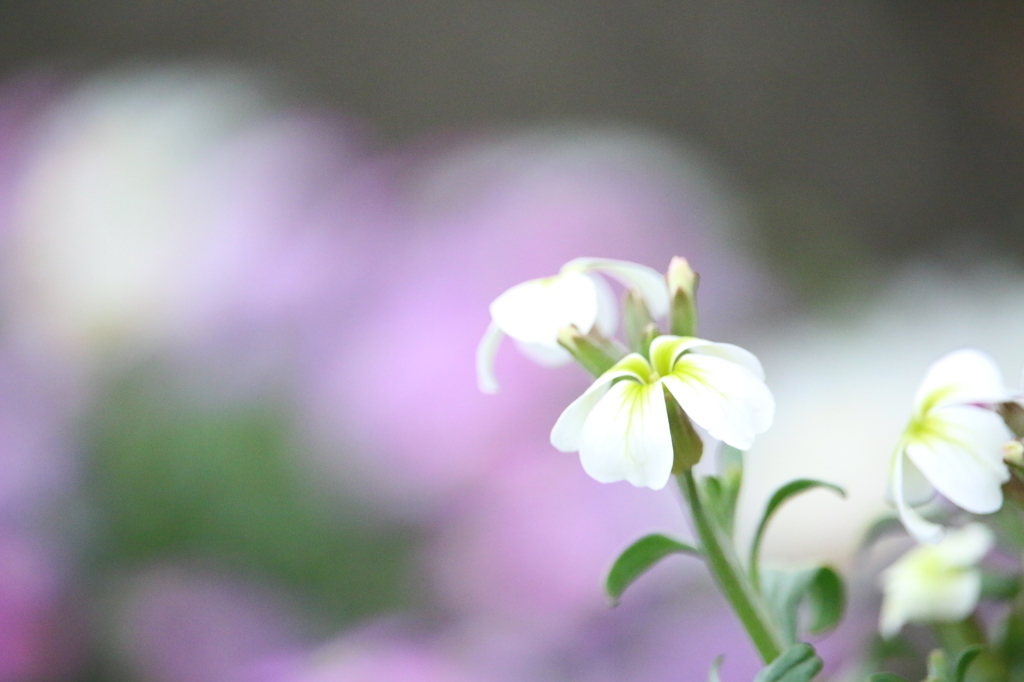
(961, 377)
(726, 399)
(922, 529)
(535, 311)
(543, 354)
(626, 436)
(648, 281)
(607, 307)
(959, 450)
(486, 352)
(966, 546)
(565, 435)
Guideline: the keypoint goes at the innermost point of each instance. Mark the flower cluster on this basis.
(620, 425)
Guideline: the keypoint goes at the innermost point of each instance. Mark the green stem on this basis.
(732, 580)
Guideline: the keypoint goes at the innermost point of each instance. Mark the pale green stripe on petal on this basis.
(627, 437)
(565, 435)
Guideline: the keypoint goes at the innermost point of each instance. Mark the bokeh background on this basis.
(246, 253)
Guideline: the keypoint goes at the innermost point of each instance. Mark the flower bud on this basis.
(594, 352)
(1013, 414)
(1013, 453)
(682, 289)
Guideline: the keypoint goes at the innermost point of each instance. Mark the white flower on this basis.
(532, 313)
(954, 440)
(935, 582)
(620, 424)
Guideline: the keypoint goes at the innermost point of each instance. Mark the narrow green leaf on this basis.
(639, 558)
(798, 663)
(820, 589)
(937, 666)
(716, 666)
(882, 527)
(723, 491)
(786, 492)
(964, 660)
(886, 677)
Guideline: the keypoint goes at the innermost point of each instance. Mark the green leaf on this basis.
(798, 663)
(639, 558)
(786, 492)
(723, 491)
(882, 527)
(937, 666)
(886, 677)
(716, 665)
(964, 660)
(820, 589)
(999, 586)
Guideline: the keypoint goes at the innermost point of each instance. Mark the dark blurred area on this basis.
(904, 120)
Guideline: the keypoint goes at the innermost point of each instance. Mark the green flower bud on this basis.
(682, 289)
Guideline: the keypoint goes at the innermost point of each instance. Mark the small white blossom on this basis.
(954, 440)
(620, 424)
(532, 313)
(935, 583)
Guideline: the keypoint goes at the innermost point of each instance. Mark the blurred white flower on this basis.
(954, 439)
(620, 425)
(532, 313)
(935, 582)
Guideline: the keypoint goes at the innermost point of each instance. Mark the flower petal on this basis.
(565, 435)
(486, 352)
(961, 455)
(922, 529)
(627, 437)
(966, 546)
(543, 354)
(961, 377)
(648, 281)
(607, 307)
(535, 311)
(726, 399)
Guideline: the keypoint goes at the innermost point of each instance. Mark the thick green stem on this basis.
(728, 573)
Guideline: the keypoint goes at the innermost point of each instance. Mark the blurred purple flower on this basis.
(181, 625)
(527, 549)
(370, 654)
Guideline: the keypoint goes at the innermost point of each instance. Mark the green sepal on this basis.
(595, 353)
(798, 663)
(783, 494)
(723, 491)
(687, 447)
(640, 557)
(638, 322)
(820, 589)
(713, 671)
(964, 660)
(682, 290)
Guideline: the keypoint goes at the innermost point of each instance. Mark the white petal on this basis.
(535, 311)
(916, 488)
(922, 529)
(486, 352)
(648, 281)
(731, 403)
(963, 376)
(966, 546)
(545, 355)
(626, 437)
(607, 307)
(726, 351)
(565, 435)
(961, 455)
